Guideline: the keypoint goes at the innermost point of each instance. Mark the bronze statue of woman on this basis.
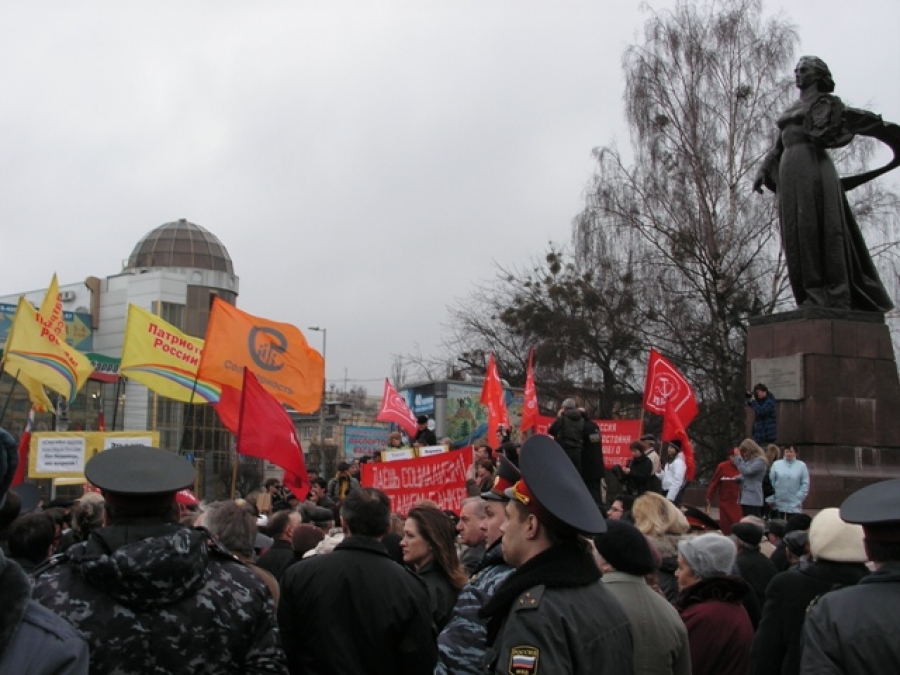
(827, 259)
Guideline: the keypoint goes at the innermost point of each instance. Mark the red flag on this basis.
(266, 431)
(529, 404)
(229, 408)
(666, 385)
(101, 421)
(24, 444)
(395, 409)
(673, 429)
(494, 398)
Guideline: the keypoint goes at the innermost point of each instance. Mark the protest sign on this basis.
(617, 435)
(62, 454)
(440, 478)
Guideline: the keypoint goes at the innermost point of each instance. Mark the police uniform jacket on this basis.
(159, 598)
(566, 623)
(854, 630)
(355, 611)
(462, 643)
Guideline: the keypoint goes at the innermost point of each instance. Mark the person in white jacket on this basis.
(790, 479)
(673, 473)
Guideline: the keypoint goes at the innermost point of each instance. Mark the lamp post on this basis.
(324, 333)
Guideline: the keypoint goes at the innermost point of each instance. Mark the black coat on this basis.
(776, 647)
(277, 559)
(757, 570)
(854, 630)
(355, 611)
(592, 455)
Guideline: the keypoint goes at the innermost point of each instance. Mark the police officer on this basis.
(552, 615)
(462, 643)
(854, 630)
(150, 595)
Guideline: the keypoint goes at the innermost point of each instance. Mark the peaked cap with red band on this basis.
(507, 475)
(552, 489)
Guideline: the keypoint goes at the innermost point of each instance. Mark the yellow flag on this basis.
(164, 359)
(51, 311)
(36, 392)
(33, 350)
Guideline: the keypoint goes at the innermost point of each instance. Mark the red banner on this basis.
(440, 478)
(617, 436)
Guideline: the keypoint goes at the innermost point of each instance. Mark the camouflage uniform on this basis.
(162, 599)
(462, 643)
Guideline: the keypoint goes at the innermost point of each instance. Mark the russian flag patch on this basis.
(523, 660)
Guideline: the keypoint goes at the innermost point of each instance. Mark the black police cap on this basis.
(139, 470)
(876, 503)
(557, 486)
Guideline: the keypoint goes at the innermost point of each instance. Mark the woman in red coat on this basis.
(710, 604)
(729, 495)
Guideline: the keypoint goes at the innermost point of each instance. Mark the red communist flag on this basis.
(395, 409)
(494, 399)
(530, 403)
(265, 430)
(666, 388)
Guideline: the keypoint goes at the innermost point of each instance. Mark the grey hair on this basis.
(233, 526)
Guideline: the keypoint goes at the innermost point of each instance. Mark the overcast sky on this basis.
(365, 163)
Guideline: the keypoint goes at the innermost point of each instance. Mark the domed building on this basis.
(175, 271)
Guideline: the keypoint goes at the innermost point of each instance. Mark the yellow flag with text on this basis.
(35, 351)
(164, 359)
(51, 313)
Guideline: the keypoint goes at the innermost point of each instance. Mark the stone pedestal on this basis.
(841, 403)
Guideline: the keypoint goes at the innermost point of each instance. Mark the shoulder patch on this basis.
(524, 660)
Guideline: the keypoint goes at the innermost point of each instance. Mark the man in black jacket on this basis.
(355, 611)
(281, 554)
(854, 630)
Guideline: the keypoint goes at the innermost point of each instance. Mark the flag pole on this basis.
(234, 469)
(184, 426)
(116, 404)
(9, 395)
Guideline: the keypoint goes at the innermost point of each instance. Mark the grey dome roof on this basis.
(181, 244)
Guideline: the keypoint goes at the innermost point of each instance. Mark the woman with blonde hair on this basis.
(665, 526)
(751, 463)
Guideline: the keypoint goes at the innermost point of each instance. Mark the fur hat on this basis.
(830, 538)
(748, 533)
(708, 555)
(625, 548)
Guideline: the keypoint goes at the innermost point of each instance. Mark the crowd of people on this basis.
(530, 575)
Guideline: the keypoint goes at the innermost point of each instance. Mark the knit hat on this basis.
(625, 548)
(708, 555)
(830, 538)
(748, 533)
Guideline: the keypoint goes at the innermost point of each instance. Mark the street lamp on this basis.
(324, 333)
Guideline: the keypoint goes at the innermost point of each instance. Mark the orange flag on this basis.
(288, 368)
